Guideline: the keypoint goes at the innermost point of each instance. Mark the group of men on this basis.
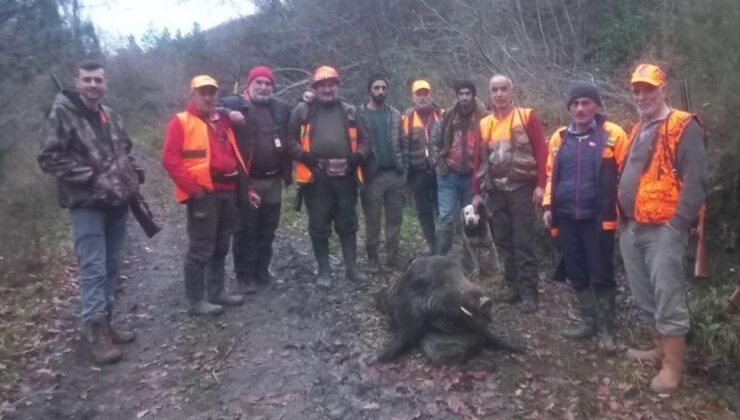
(229, 159)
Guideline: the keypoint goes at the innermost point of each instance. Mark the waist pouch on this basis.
(224, 177)
(336, 167)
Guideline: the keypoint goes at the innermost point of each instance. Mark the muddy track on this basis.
(295, 352)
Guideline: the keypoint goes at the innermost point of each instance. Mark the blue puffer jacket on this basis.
(577, 183)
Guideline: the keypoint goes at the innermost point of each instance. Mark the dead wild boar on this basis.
(433, 297)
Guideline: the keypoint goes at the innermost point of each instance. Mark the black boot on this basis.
(321, 251)
(530, 300)
(586, 327)
(349, 252)
(606, 307)
(373, 261)
(427, 229)
(444, 240)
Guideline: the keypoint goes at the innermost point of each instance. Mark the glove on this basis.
(309, 160)
(355, 159)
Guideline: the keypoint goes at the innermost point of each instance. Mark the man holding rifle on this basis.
(87, 149)
(661, 194)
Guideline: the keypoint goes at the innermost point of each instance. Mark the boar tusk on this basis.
(466, 312)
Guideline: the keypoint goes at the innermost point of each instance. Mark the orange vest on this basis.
(507, 151)
(659, 186)
(196, 152)
(303, 174)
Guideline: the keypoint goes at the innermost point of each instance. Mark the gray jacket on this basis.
(93, 165)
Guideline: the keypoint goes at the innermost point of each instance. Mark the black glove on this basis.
(355, 159)
(309, 160)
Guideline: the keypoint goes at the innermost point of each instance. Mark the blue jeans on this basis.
(454, 191)
(98, 236)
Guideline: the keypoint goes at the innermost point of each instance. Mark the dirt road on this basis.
(296, 352)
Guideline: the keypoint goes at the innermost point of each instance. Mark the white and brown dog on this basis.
(477, 237)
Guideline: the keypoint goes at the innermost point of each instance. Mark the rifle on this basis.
(298, 198)
(236, 81)
(138, 205)
(700, 261)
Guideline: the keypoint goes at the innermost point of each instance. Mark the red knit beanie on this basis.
(260, 71)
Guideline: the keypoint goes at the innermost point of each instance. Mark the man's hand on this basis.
(547, 218)
(198, 194)
(308, 96)
(537, 196)
(477, 200)
(236, 117)
(254, 199)
(309, 160)
(355, 159)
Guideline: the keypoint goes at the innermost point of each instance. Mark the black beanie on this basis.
(583, 90)
(464, 84)
(375, 77)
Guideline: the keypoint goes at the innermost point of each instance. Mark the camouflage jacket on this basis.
(94, 168)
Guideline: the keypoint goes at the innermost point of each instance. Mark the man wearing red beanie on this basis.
(261, 140)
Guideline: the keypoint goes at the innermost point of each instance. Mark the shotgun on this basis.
(700, 260)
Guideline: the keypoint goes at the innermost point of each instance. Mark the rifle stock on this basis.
(143, 215)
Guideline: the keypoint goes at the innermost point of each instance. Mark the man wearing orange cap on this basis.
(416, 127)
(261, 139)
(202, 158)
(330, 143)
(661, 192)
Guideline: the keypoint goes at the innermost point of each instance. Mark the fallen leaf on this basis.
(142, 413)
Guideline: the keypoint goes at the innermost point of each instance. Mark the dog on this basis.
(477, 236)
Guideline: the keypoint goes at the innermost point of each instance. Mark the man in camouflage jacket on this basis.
(87, 149)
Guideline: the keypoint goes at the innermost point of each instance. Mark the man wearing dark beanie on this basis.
(385, 173)
(580, 207)
(454, 139)
(261, 141)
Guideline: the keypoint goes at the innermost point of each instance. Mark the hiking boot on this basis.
(510, 294)
(606, 307)
(321, 251)
(117, 335)
(444, 240)
(101, 345)
(586, 326)
(529, 304)
(670, 373)
(227, 299)
(349, 252)
(203, 308)
(654, 356)
(246, 287)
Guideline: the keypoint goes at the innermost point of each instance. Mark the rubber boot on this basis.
(653, 356)
(349, 252)
(393, 258)
(245, 284)
(226, 299)
(203, 308)
(670, 373)
(101, 345)
(606, 307)
(373, 261)
(117, 335)
(444, 240)
(321, 251)
(586, 327)
(530, 300)
(427, 229)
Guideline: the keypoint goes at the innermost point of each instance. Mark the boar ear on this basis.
(485, 303)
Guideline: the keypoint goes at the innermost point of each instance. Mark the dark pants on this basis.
(424, 185)
(587, 251)
(331, 200)
(513, 224)
(384, 193)
(211, 221)
(253, 238)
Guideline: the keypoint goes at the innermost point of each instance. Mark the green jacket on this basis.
(399, 146)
